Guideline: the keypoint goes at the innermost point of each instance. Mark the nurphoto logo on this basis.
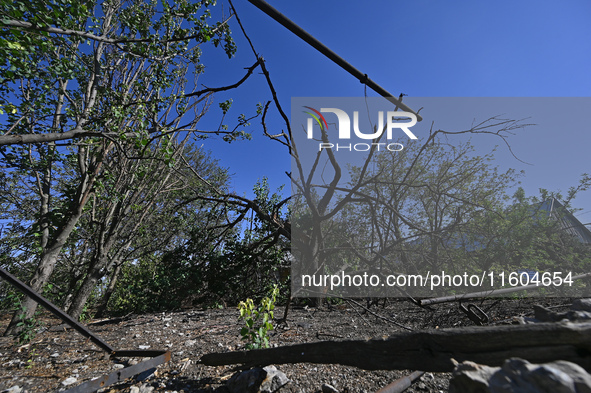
(393, 122)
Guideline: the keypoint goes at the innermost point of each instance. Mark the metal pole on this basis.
(319, 46)
(55, 310)
(158, 357)
(401, 384)
(120, 375)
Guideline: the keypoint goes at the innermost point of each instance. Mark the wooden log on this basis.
(433, 350)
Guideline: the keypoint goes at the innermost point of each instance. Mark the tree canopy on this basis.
(108, 203)
(101, 173)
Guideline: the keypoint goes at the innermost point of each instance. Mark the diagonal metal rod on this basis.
(55, 310)
(121, 375)
(158, 357)
(401, 384)
(320, 47)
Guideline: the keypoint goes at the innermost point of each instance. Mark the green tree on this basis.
(531, 233)
(81, 80)
(397, 211)
(245, 261)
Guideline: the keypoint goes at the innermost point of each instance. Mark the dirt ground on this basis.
(59, 358)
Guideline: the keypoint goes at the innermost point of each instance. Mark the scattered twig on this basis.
(379, 316)
(110, 320)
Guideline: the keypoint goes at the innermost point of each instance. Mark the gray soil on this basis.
(58, 355)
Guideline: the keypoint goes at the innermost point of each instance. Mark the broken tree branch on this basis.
(433, 350)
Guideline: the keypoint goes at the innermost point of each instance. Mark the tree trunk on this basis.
(109, 292)
(42, 273)
(84, 292)
(51, 253)
(99, 265)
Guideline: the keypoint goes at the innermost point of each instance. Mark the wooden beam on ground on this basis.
(433, 350)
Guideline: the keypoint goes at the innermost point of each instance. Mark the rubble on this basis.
(520, 376)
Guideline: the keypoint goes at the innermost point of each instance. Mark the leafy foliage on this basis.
(99, 103)
(28, 326)
(259, 320)
(434, 206)
(211, 262)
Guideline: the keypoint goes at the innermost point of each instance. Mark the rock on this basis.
(304, 325)
(326, 388)
(14, 389)
(545, 315)
(520, 376)
(145, 388)
(581, 305)
(246, 381)
(134, 389)
(273, 381)
(530, 378)
(577, 316)
(69, 381)
(257, 380)
(470, 377)
(190, 343)
(581, 378)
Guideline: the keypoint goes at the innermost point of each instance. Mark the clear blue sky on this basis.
(423, 49)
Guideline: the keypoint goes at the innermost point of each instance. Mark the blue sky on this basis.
(423, 49)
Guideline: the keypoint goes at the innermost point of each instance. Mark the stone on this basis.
(14, 389)
(69, 381)
(470, 377)
(579, 375)
(190, 343)
(246, 381)
(146, 388)
(520, 376)
(578, 315)
(545, 315)
(326, 388)
(530, 378)
(581, 305)
(273, 381)
(257, 380)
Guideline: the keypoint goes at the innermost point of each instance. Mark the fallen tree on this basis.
(432, 350)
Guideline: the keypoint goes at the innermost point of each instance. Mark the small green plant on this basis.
(31, 360)
(27, 327)
(259, 321)
(85, 315)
